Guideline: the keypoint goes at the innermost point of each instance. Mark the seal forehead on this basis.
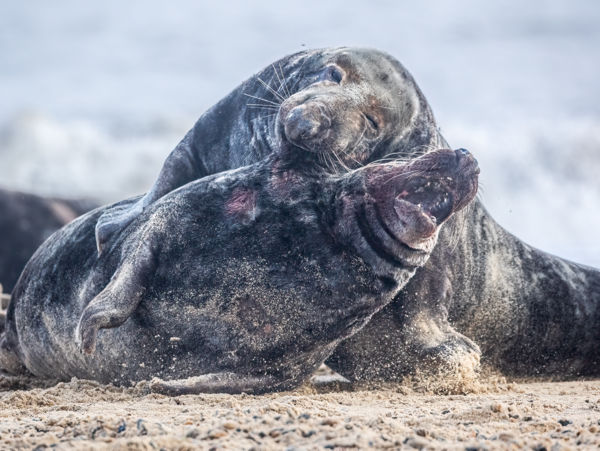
(370, 65)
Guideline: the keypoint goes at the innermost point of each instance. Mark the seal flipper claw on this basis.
(115, 303)
(232, 383)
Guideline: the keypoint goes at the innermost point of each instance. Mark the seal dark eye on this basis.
(334, 74)
(372, 122)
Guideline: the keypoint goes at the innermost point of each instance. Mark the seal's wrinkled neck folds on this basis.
(391, 214)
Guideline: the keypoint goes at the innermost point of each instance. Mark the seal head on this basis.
(361, 105)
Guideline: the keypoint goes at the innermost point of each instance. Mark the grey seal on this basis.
(345, 107)
(26, 220)
(483, 290)
(244, 281)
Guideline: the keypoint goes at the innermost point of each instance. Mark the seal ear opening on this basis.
(117, 302)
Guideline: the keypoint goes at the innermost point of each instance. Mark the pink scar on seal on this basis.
(242, 204)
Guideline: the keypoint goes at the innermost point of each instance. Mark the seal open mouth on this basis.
(431, 197)
(411, 201)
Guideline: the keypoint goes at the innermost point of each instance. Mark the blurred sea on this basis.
(94, 95)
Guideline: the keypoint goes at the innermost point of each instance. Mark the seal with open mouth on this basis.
(242, 281)
(530, 313)
(344, 107)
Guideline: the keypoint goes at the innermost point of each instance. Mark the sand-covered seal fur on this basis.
(241, 281)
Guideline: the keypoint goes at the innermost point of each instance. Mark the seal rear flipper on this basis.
(115, 303)
(232, 383)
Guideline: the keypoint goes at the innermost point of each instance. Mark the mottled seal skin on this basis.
(241, 281)
(26, 220)
(345, 107)
(483, 293)
(530, 313)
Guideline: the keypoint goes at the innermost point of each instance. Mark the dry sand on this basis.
(492, 414)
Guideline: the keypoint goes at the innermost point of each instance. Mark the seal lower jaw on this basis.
(385, 243)
(415, 200)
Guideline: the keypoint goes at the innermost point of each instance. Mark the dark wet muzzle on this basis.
(306, 122)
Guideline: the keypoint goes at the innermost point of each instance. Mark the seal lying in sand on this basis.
(346, 107)
(531, 313)
(242, 281)
(26, 220)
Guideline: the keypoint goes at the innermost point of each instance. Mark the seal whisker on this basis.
(284, 82)
(330, 163)
(408, 174)
(350, 151)
(270, 89)
(342, 164)
(282, 85)
(299, 71)
(262, 99)
(335, 163)
(322, 159)
(266, 116)
(357, 143)
(266, 107)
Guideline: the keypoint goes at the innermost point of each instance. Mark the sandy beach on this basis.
(489, 414)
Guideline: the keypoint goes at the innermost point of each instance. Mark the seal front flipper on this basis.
(115, 219)
(115, 303)
(424, 345)
(180, 167)
(226, 382)
(455, 356)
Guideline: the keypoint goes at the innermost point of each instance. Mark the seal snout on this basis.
(415, 199)
(305, 122)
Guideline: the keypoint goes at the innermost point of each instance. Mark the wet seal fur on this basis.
(344, 107)
(244, 281)
(26, 221)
